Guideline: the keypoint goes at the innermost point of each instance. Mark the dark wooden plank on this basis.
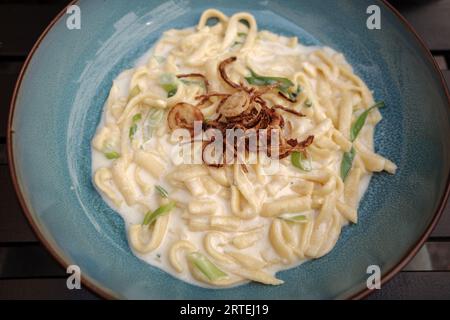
(9, 71)
(3, 157)
(25, 21)
(28, 261)
(430, 19)
(439, 253)
(427, 285)
(13, 224)
(21, 289)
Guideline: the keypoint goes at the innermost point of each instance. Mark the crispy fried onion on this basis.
(245, 109)
(183, 115)
(224, 75)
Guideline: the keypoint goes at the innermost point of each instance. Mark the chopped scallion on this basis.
(150, 216)
(137, 117)
(298, 218)
(301, 161)
(361, 120)
(205, 266)
(347, 158)
(169, 83)
(133, 127)
(258, 80)
(346, 164)
(112, 155)
(132, 131)
(162, 192)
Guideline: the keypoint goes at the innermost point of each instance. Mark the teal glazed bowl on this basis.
(58, 102)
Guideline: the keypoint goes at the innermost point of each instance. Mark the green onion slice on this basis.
(347, 159)
(132, 131)
(133, 127)
(283, 83)
(346, 164)
(150, 216)
(205, 266)
(112, 155)
(162, 192)
(169, 83)
(359, 123)
(301, 161)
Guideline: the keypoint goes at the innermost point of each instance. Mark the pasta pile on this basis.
(222, 225)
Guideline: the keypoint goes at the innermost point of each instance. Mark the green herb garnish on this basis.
(298, 218)
(132, 131)
(137, 117)
(359, 123)
(162, 192)
(150, 216)
(347, 158)
(346, 164)
(205, 266)
(169, 83)
(283, 83)
(133, 127)
(172, 92)
(242, 34)
(112, 155)
(308, 103)
(301, 161)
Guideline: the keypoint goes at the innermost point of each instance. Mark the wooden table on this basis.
(28, 271)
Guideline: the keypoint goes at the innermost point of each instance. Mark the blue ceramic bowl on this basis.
(66, 79)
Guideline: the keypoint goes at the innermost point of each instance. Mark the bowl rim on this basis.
(97, 289)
